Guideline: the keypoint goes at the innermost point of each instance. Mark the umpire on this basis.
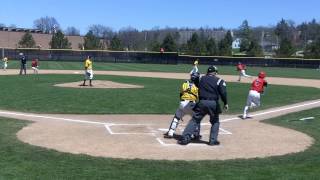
(210, 88)
(23, 66)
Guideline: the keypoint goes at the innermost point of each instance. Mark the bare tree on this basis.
(72, 31)
(131, 38)
(102, 31)
(47, 24)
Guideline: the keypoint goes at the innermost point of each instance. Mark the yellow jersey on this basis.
(88, 64)
(189, 91)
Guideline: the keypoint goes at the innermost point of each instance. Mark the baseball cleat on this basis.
(166, 135)
(214, 143)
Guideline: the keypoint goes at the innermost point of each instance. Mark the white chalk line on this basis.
(115, 133)
(54, 118)
(221, 131)
(267, 112)
(107, 125)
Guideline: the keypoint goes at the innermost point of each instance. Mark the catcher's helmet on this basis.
(262, 74)
(212, 69)
(195, 76)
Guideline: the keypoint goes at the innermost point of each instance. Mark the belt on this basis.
(188, 100)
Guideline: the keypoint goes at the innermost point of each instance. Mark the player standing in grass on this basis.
(241, 68)
(23, 65)
(257, 88)
(88, 74)
(35, 65)
(5, 63)
(195, 67)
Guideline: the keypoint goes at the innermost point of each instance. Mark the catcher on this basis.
(188, 96)
(88, 74)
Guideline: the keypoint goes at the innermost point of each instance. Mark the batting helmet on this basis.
(262, 74)
(212, 69)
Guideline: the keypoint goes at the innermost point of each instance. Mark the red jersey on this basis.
(258, 85)
(34, 63)
(241, 67)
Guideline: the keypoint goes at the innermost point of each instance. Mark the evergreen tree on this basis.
(286, 48)
(58, 41)
(245, 45)
(91, 42)
(225, 45)
(282, 30)
(27, 41)
(211, 47)
(115, 44)
(228, 38)
(245, 31)
(255, 49)
(169, 44)
(155, 46)
(194, 45)
(313, 49)
(246, 36)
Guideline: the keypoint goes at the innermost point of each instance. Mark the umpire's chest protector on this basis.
(208, 87)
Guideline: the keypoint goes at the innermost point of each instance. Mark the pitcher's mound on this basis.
(98, 84)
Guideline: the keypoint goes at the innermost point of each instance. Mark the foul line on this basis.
(54, 118)
(267, 112)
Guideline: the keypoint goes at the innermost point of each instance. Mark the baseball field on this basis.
(53, 129)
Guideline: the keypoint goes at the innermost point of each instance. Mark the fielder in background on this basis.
(257, 88)
(211, 88)
(241, 68)
(88, 74)
(188, 98)
(195, 67)
(5, 63)
(35, 65)
(23, 65)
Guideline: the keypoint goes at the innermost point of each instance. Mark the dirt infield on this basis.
(140, 136)
(99, 85)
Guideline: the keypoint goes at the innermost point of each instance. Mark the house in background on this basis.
(236, 43)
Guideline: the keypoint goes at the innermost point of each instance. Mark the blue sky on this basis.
(146, 14)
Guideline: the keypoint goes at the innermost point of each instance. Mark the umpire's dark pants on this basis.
(23, 67)
(203, 108)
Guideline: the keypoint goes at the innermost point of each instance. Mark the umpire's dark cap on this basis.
(212, 69)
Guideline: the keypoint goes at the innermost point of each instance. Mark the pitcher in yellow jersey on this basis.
(188, 98)
(88, 74)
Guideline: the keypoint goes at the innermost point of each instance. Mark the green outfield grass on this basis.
(183, 68)
(159, 96)
(22, 161)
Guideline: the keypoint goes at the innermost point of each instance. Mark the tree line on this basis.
(284, 39)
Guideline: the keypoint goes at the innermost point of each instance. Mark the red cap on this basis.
(262, 74)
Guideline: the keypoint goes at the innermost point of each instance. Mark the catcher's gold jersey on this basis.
(189, 91)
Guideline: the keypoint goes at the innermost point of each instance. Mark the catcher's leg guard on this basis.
(173, 126)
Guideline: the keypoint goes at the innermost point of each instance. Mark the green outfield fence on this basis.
(156, 57)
